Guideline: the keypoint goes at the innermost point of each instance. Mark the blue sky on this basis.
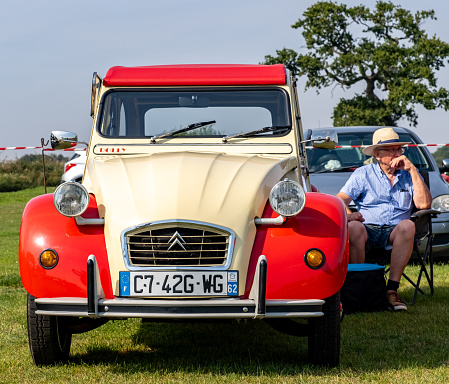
(50, 48)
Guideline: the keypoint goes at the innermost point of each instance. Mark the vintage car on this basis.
(195, 205)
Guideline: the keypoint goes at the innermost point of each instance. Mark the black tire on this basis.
(48, 337)
(324, 334)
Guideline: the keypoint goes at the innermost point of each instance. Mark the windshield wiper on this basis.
(257, 131)
(182, 130)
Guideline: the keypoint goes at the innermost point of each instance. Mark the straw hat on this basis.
(384, 137)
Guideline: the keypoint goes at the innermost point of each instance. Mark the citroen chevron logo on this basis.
(176, 239)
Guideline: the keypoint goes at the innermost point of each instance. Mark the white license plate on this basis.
(179, 283)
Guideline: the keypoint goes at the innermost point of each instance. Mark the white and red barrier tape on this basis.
(45, 149)
(408, 145)
(308, 147)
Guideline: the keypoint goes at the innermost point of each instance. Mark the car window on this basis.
(416, 154)
(348, 159)
(151, 113)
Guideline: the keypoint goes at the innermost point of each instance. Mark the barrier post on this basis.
(43, 163)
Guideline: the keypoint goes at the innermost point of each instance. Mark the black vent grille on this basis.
(177, 246)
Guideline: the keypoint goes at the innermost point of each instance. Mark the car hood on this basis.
(330, 183)
(202, 187)
(188, 186)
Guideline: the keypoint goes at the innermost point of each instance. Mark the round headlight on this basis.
(71, 199)
(441, 203)
(287, 198)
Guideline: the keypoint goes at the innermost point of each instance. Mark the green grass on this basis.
(410, 347)
(12, 205)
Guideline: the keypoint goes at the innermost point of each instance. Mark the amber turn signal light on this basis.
(314, 258)
(48, 258)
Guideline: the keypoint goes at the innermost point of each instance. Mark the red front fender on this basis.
(43, 227)
(321, 224)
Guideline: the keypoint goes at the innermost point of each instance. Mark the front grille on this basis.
(177, 246)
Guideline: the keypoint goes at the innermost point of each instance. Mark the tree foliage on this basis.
(385, 49)
(440, 154)
(27, 172)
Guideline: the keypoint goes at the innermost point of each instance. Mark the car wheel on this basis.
(324, 334)
(48, 337)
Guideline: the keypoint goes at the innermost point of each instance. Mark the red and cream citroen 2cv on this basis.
(195, 204)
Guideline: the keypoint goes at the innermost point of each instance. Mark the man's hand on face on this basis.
(401, 162)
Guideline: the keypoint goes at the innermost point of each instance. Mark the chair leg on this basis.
(431, 264)
(404, 275)
(422, 260)
(427, 256)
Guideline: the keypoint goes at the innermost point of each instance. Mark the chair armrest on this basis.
(423, 212)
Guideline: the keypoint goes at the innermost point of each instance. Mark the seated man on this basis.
(383, 195)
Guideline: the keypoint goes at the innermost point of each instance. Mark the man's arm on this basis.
(352, 216)
(422, 197)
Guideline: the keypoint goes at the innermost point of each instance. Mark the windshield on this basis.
(134, 114)
(348, 159)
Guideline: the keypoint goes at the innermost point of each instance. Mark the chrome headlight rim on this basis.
(301, 196)
(441, 203)
(62, 190)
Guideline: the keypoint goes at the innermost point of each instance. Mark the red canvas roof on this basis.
(202, 74)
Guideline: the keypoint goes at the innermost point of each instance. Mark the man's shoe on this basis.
(395, 301)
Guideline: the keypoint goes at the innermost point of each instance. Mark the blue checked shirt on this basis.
(375, 198)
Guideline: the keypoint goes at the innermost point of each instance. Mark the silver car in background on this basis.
(74, 168)
(331, 169)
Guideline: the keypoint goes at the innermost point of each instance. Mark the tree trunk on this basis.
(370, 82)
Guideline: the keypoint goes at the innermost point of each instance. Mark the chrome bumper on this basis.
(256, 306)
(178, 309)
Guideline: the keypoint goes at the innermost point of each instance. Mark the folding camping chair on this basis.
(423, 235)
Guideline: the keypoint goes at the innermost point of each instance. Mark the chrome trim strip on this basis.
(186, 223)
(218, 143)
(204, 309)
(82, 221)
(266, 220)
(175, 302)
(142, 148)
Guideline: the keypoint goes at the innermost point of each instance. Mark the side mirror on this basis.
(63, 139)
(327, 139)
(445, 167)
(96, 85)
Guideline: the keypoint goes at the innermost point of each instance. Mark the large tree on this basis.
(386, 49)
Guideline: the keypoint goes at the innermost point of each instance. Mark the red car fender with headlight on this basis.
(43, 227)
(322, 224)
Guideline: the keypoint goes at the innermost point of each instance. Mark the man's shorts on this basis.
(377, 236)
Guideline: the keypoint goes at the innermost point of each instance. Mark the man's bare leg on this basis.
(357, 240)
(402, 239)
